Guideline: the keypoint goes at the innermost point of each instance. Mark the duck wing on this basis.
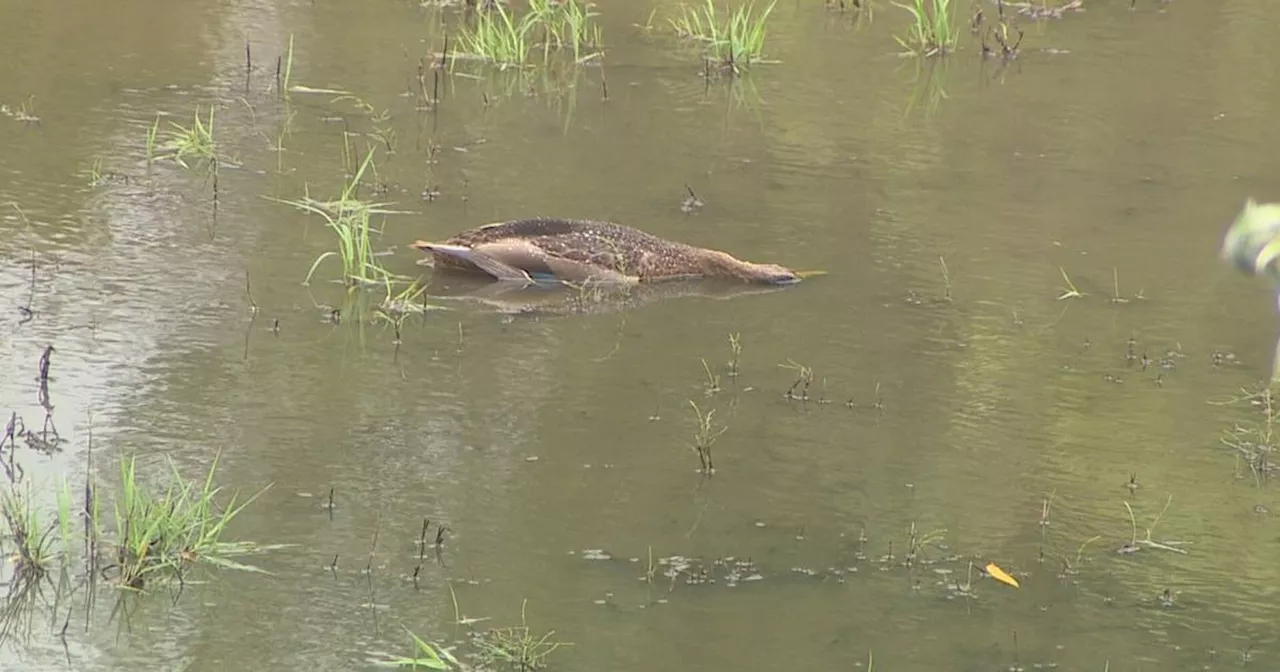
(481, 259)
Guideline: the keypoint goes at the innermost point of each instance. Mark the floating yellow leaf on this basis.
(1000, 575)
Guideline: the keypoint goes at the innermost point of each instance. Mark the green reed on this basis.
(737, 37)
(151, 140)
(501, 38)
(933, 30)
(350, 220)
(288, 69)
(568, 25)
(498, 37)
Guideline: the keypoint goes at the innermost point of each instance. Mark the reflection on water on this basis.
(959, 408)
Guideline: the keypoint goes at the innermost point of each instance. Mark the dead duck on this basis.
(579, 250)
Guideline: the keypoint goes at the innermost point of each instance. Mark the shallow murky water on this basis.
(556, 448)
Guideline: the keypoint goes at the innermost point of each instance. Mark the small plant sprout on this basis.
(946, 280)
(1135, 544)
(705, 437)
(1115, 284)
(288, 70)
(151, 140)
(933, 30)
(735, 354)
(1070, 292)
(713, 380)
(31, 537)
(425, 655)
(804, 378)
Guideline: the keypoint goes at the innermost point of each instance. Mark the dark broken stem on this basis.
(278, 63)
(248, 58)
(439, 545)
(333, 567)
(182, 584)
(330, 507)
(44, 363)
(62, 636)
(88, 498)
(215, 197)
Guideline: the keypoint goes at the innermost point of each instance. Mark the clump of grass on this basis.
(497, 37)
(162, 531)
(516, 647)
(350, 220)
(568, 25)
(733, 40)
(500, 37)
(33, 554)
(933, 30)
(194, 141)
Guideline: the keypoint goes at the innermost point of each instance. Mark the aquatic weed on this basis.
(349, 218)
(33, 552)
(497, 37)
(566, 24)
(933, 30)
(516, 647)
(733, 40)
(161, 531)
(704, 437)
(195, 141)
(424, 655)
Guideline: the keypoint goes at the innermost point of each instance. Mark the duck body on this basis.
(579, 250)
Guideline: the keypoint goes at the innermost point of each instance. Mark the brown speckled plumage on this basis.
(575, 247)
